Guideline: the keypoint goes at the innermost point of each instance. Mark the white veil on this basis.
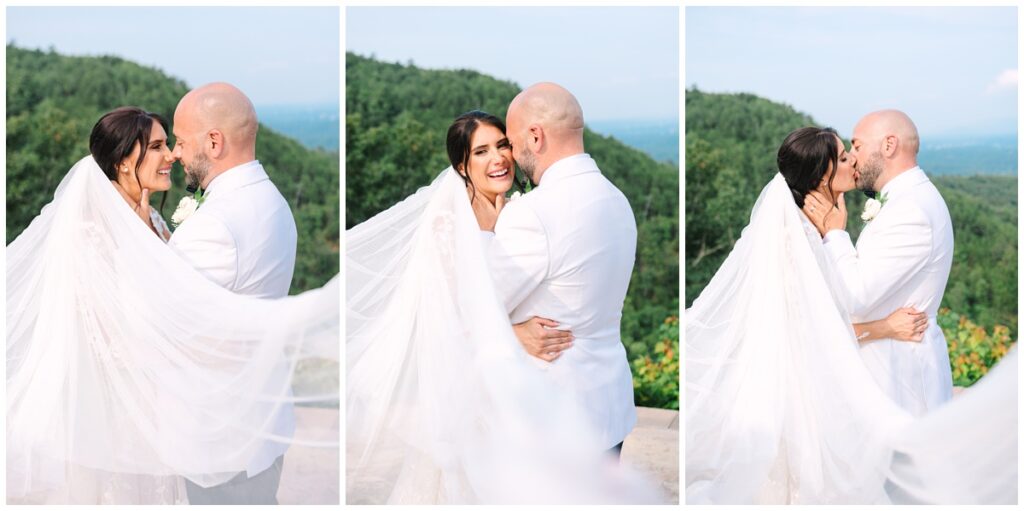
(122, 359)
(779, 406)
(964, 452)
(442, 403)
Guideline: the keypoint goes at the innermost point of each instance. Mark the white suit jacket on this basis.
(902, 259)
(243, 237)
(565, 251)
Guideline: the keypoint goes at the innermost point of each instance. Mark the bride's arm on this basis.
(904, 324)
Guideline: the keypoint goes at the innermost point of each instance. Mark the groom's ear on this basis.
(535, 137)
(890, 144)
(215, 142)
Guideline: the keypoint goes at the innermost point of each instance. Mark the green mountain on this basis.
(731, 143)
(53, 101)
(396, 120)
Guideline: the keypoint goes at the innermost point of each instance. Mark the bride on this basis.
(444, 404)
(127, 370)
(779, 406)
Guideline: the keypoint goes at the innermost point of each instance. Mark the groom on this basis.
(902, 259)
(565, 250)
(242, 237)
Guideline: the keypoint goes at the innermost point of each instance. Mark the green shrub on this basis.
(656, 376)
(972, 350)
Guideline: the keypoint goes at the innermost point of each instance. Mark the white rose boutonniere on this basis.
(871, 208)
(515, 195)
(186, 207)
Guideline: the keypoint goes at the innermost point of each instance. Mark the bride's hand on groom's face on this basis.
(823, 214)
(540, 339)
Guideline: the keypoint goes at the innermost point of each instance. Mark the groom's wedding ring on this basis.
(812, 209)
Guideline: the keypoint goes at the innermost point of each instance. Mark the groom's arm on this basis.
(208, 245)
(517, 254)
(898, 250)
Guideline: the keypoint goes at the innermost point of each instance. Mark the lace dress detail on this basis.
(161, 226)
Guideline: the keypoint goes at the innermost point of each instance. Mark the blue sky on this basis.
(276, 55)
(953, 70)
(619, 62)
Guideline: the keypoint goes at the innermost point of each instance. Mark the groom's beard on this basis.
(528, 164)
(196, 173)
(869, 172)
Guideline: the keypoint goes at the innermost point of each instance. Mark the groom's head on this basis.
(545, 124)
(215, 129)
(885, 144)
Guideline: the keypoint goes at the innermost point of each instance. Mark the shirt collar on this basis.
(236, 177)
(568, 167)
(906, 179)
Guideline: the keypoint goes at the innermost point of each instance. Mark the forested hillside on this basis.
(53, 101)
(396, 120)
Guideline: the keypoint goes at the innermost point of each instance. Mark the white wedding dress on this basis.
(779, 406)
(127, 369)
(443, 405)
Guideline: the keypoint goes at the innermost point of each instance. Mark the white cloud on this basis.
(1007, 80)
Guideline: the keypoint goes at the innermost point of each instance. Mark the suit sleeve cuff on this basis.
(837, 244)
(836, 234)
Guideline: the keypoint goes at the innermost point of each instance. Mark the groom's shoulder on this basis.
(926, 199)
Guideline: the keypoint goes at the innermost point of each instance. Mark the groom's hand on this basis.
(540, 339)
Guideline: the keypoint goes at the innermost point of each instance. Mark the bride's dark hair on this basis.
(114, 137)
(460, 139)
(804, 159)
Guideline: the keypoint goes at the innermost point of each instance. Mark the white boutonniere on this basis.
(871, 208)
(515, 195)
(186, 207)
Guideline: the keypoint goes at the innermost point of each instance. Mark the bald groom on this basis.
(565, 251)
(902, 259)
(242, 237)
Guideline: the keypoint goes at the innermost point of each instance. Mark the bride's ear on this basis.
(124, 166)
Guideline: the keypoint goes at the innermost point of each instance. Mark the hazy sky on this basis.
(619, 62)
(275, 55)
(953, 70)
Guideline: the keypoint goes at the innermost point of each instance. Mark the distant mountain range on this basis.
(657, 138)
(314, 126)
(969, 155)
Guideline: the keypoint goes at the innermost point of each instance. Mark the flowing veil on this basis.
(124, 360)
(965, 452)
(781, 409)
(779, 406)
(442, 402)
